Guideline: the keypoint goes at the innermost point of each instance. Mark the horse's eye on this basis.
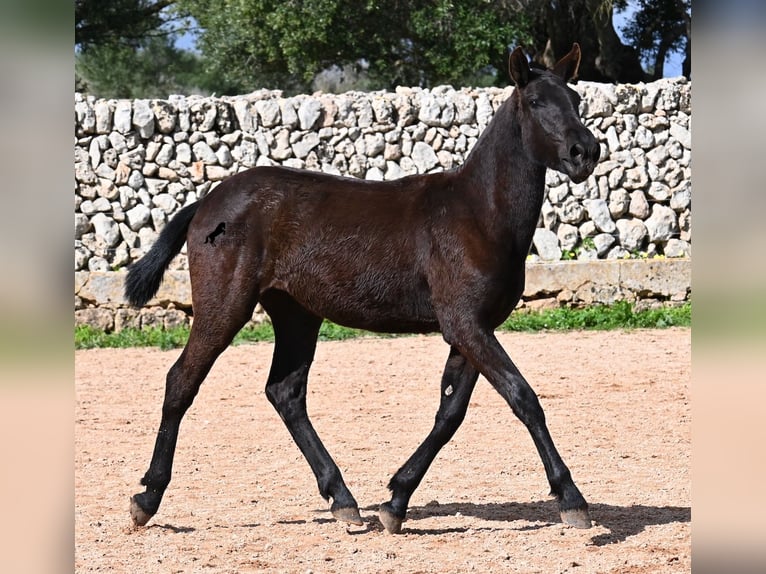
(534, 102)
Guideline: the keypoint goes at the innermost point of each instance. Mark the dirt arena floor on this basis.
(243, 499)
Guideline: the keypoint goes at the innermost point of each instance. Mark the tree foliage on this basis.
(126, 47)
(285, 43)
(605, 58)
(658, 28)
(98, 23)
(153, 68)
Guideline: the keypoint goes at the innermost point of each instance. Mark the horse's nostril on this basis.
(577, 151)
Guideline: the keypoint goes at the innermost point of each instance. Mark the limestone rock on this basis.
(143, 118)
(106, 228)
(137, 217)
(547, 245)
(598, 211)
(424, 157)
(308, 113)
(662, 224)
(632, 233)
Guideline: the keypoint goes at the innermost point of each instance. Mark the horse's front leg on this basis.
(483, 349)
(295, 337)
(458, 382)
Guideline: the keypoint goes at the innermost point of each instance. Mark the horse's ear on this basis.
(518, 68)
(566, 68)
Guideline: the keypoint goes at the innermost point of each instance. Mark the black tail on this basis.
(145, 275)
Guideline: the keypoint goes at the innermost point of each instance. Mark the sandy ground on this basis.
(243, 499)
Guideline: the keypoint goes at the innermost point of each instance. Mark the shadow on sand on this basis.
(622, 522)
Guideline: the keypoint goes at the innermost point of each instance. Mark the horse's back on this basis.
(349, 250)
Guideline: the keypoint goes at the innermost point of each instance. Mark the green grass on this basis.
(620, 315)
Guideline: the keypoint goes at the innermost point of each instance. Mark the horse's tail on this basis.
(145, 276)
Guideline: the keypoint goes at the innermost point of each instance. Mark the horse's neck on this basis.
(503, 179)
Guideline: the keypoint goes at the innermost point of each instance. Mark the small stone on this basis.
(165, 113)
(82, 225)
(568, 236)
(374, 144)
(484, 111)
(302, 147)
(98, 318)
(681, 134)
(619, 203)
(644, 138)
(658, 191)
(122, 118)
(424, 157)
(106, 228)
(662, 224)
(204, 153)
(166, 202)
(557, 194)
(103, 117)
(135, 179)
(681, 198)
(599, 213)
(143, 118)
(632, 233)
(216, 172)
(547, 244)
(603, 242)
(374, 174)
(282, 149)
(636, 178)
(224, 156)
(268, 111)
(102, 204)
(137, 217)
(289, 116)
(571, 211)
(165, 154)
(639, 206)
(677, 248)
(308, 113)
(184, 153)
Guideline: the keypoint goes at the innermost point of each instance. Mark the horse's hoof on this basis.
(348, 514)
(391, 522)
(139, 515)
(576, 517)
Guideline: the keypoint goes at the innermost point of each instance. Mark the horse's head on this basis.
(552, 131)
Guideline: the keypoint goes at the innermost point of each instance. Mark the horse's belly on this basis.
(383, 301)
(386, 322)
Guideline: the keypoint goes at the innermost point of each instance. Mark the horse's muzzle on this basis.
(582, 158)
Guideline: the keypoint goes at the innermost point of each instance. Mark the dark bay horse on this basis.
(441, 252)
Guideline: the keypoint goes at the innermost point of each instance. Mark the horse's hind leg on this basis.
(457, 385)
(295, 332)
(484, 350)
(213, 329)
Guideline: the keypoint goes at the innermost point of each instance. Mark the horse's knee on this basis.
(288, 395)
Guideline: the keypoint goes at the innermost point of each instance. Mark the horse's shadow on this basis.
(622, 522)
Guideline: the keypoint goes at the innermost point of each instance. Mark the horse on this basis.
(438, 252)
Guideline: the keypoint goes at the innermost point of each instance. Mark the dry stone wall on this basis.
(137, 162)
